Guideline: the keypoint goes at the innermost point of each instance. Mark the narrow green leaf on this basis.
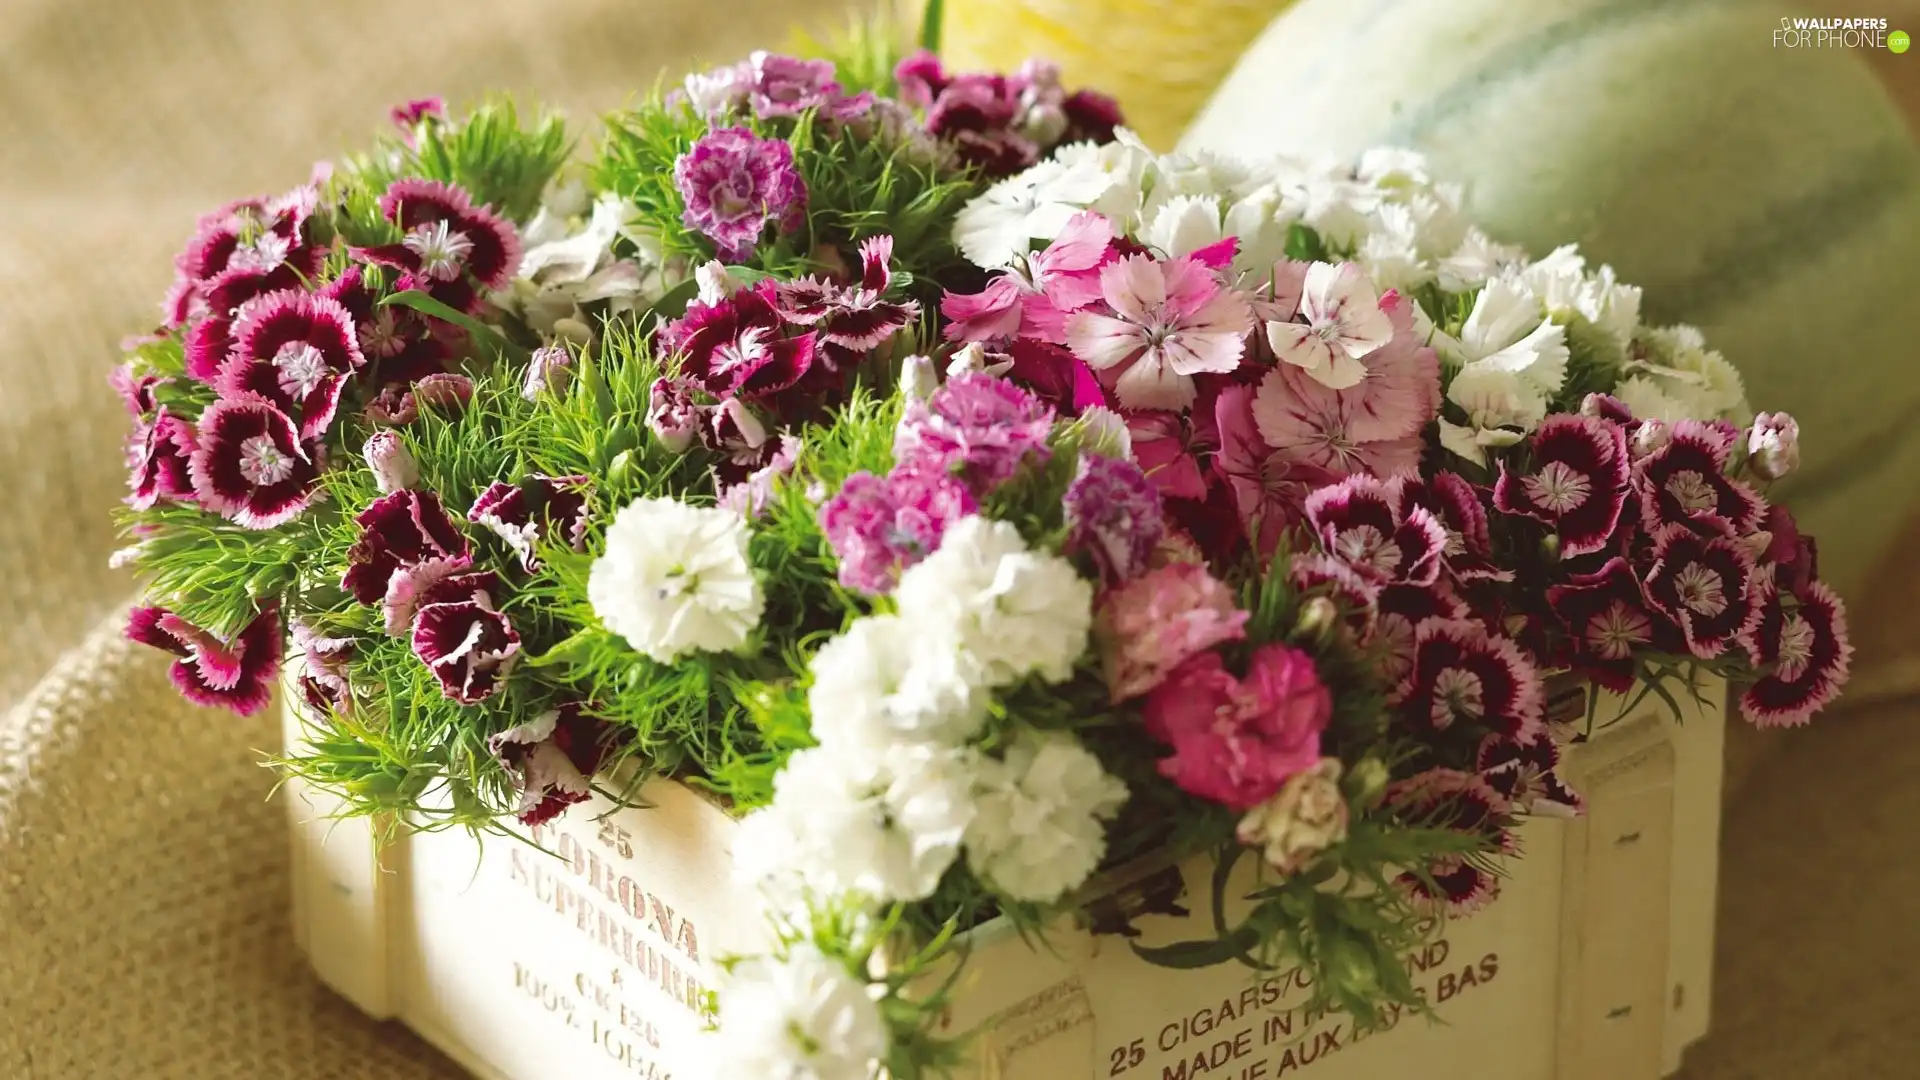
(427, 305)
(931, 23)
(1188, 955)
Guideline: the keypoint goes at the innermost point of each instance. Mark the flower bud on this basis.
(549, 371)
(1773, 445)
(715, 283)
(392, 464)
(1367, 781)
(917, 380)
(672, 416)
(1653, 435)
(974, 358)
(1317, 616)
(449, 393)
(1105, 432)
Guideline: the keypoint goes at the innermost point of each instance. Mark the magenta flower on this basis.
(749, 497)
(408, 589)
(993, 314)
(463, 638)
(977, 427)
(236, 674)
(1033, 299)
(552, 759)
(323, 679)
(1576, 482)
(1236, 741)
(539, 509)
(1159, 325)
(1793, 556)
(1525, 772)
(739, 345)
(295, 350)
(409, 115)
(1113, 511)
(162, 452)
(1705, 585)
(1399, 612)
(880, 526)
(1269, 488)
(1461, 509)
(138, 391)
(1168, 448)
(1608, 621)
(450, 244)
(1800, 645)
(1466, 679)
(785, 86)
(851, 320)
(734, 183)
(1150, 625)
(396, 531)
(264, 243)
(1361, 522)
(250, 465)
(1464, 803)
(1685, 482)
(1055, 375)
(400, 344)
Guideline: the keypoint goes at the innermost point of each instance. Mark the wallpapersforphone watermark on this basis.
(1812, 33)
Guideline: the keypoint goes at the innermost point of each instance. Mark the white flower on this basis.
(804, 1016)
(675, 579)
(1343, 323)
(1038, 832)
(1514, 361)
(1565, 288)
(1476, 260)
(917, 380)
(971, 358)
(1124, 163)
(714, 282)
(574, 259)
(1336, 206)
(1183, 225)
(888, 680)
(1390, 255)
(1697, 380)
(1255, 221)
(1393, 166)
(1001, 225)
(882, 826)
(1306, 817)
(1648, 399)
(1105, 432)
(1017, 611)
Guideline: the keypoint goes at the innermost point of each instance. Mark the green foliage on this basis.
(864, 53)
(489, 152)
(212, 572)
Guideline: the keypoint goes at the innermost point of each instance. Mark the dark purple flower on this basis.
(264, 242)
(978, 427)
(1685, 482)
(163, 451)
(880, 526)
(1091, 117)
(734, 183)
(1608, 620)
(1794, 556)
(539, 509)
(852, 319)
(734, 432)
(398, 530)
(236, 674)
(323, 677)
(1526, 773)
(1464, 678)
(463, 638)
(552, 759)
(1358, 597)
(1462, 511)
(1704, 584)
(449, 245)
(1465, 803)
(400, 344)
(1800, 645)
(1398, 611)
(250, 464)
(296, 350)
(1576, 482)
(740, 345)
(1359, 521)
(1113, 511)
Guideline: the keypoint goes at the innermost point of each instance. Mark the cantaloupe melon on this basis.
(1770, 196)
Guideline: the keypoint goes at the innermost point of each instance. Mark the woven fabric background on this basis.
(143, 874)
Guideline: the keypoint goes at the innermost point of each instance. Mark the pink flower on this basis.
(1609, 622)
(750, 496)
(296, 350)
(1269, 488)
(1800, 645)
(162, 454)
(1576, 482)
(236, 674)
(1773, 445)
(449, 246)
(993, 314)
(1150, 625)
(539, 509)
(390, 461)
(410, 586)
(1113, 511)
(1236, 741)
(323, 678)
(1360, 521)
(880, 526)
(1525, 772)
(551, 760)
(734, 183)
(1464, 803)
(978, 427)
(852, 320)
(1168, 449)
(137, 390)
(250, 465)
(672, 416)
(463, 638)
(1340, 320)
(549, 371)
(263, 242)
(1033, 299)
(408, 116)
(1685, 482)
(396, 531)
(1464, 679)
(447, 392)
(1705, 585)
(1160, 324)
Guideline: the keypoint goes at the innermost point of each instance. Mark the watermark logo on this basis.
(1820, 33)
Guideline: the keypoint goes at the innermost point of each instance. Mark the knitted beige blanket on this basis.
(143, 874)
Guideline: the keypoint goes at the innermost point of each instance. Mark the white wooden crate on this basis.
(586, 960)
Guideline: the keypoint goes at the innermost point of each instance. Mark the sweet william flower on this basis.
(1464, 803)
(802, 1016)
(250, 465)
(322, 681)
(296, 350)
(1001, 224)
(880, 526)
(551, 760)
(672, 416)
(1038, 830)
(1161, 324)
(1773, 446)
(1362, 522)
(462, 636)
(851, 320)
(1464, 678)
(1575, 482)
(1269, 485)
(538, 509)
(1016, 611)
(1238, 740)
(980, 428)
(1113, 512)
(1149, 626)
(887, 680)
(675, 579)
(390, 461)
(236, 674)
(396, 531)
(734, 183)
(1706, 584)
(1608, 620)
(451, 249)
(161, 453)
(1342, 322)
(1800, 644)
(549, 371)
(1525, 772)
(1307, 816)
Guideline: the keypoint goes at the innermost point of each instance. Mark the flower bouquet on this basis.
(971, 501)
